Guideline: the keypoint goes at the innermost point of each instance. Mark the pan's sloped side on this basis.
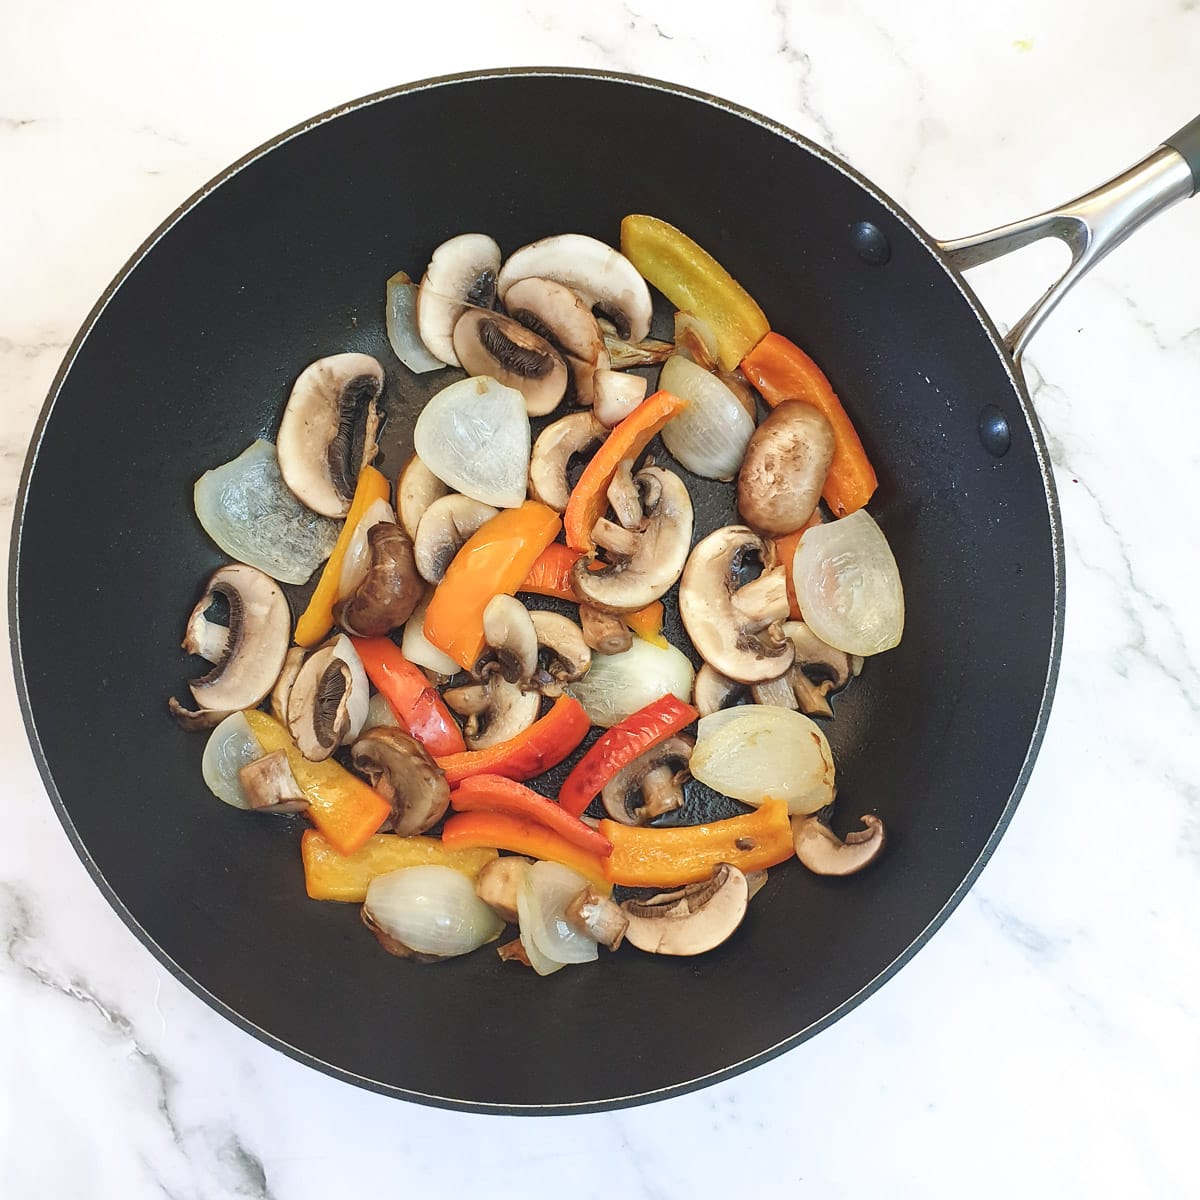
(285, 260)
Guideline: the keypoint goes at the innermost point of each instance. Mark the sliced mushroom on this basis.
(416, 489)
(692, 920)
(401, 770)
(443, 530)
(270, 785)
(510, 634)
(193, 720)
(461, 272)
(389, 591)
(624, 496)
(556, 445)
(824, 853)
(489, 343)
(738, 629)
(499, 882)
(514, 951)
(816, 673)
(617, 395)
(254, 646)
(496, 710)
(604, 632)
(561, 645)
(713, 691)
(318, 710)
(292, 662)
(647, 568)
(316, 435)
(784, 468)
(651, 785)
(597, 917)
(558, 315)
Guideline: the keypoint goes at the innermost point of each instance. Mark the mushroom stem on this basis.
(604, 632)
(662, 791)
(824, 853)
(270, 785)
(616, 539)
(597, 917)
(624, 497)
(764, 600)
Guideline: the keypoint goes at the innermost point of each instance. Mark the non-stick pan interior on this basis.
(285, 260)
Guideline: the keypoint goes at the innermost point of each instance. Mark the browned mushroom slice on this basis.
(604, 632)
(489, 343)
(692, 920)
(824, 853)
(270, 785)
(499, 882)
(510, 634)
(552, 452)
(401, 770)
(389, 591)
(817, 672)
(650, 785)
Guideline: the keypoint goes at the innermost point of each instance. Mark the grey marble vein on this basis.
(792, 54)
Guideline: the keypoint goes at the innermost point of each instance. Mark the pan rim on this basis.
(697, 1082)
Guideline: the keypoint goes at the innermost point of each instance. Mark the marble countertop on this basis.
(1047, 1041)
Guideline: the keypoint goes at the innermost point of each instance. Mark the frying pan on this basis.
(191, 353)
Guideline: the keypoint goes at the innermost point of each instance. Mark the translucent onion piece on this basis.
(231, 745)
(848, 585)
(417, 648)
(763, 752)
(402, 326)
(432, 910)
(360, 689)
(551, 887)
(709, 437)
(379, 712)
(358, 550)
(527, 917)
(617, 685)
(247, 509)
(474, 436)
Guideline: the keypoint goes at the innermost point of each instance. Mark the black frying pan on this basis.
(191, 353)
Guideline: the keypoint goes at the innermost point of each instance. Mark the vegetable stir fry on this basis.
(498, 610)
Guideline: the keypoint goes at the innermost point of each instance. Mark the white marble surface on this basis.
(1047, 1041)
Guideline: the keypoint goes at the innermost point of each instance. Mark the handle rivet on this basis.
(870, 243)
(994, 432)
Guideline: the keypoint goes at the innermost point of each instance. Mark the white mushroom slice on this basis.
(499, 884)
(650, 785)
(597, 916)
(444, 528)
(601, 276)
(556, 445)
(817, 672)
(824, 853)
(561, 642)
(401, 770)
(496, 710)
(204, 638)
(292, 662)
(509, 632)
(617, 395)
(417, 488)
(318, 710)
(714, 691)
(694, 919)
(461, 272)
(316, 434)
(255, 646)
(489, 343)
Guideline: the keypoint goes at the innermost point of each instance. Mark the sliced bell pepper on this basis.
(589, 497)
(696, 283)
(495, 559)
(414, 701)
(550, 574)
(648, 856)
(543, 745)
(619, 746)
(785, 552)
(782, 371)
(329, 875)
(344, 808)
(317, 619)
(495, 793)
(647, 623)
(505, 831)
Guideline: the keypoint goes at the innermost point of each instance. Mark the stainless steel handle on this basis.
(1091, 226)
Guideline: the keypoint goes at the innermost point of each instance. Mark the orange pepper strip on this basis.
(589, 497)
(317, 619)
(495, 559)
(522, 836)
(543, 745)
(329, 875)
(647, 623)
(782, 371)
(340, 805)
(646, 856)
(785, 552)
(550, 574)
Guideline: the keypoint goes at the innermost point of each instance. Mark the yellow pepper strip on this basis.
(696, 283)
(344, 808)
(646, 856)
(647, 623)
(329, 875)
(317, 619)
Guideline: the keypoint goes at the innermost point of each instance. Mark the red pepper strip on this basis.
(494, 793)
(619, 746)
(550, 574)
(543, 745)
(414, 701)
(782, 371)
(505, 831)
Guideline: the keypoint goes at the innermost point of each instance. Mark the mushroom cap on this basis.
(318, 708)
(316, 433)
(824, 853)
(389, 591)
(496, 710)
(444, 528)
(736, 629)
(461, 271)
(602, 277)
(692, 920)
(661, 550)
(401, 770)
(498, 884)
(783, 470)
(553, 450)
(253, 650)
(624, 795)
(416, 489)
(489, 343)
(561, 641)
(509, 632)
(713, 691)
